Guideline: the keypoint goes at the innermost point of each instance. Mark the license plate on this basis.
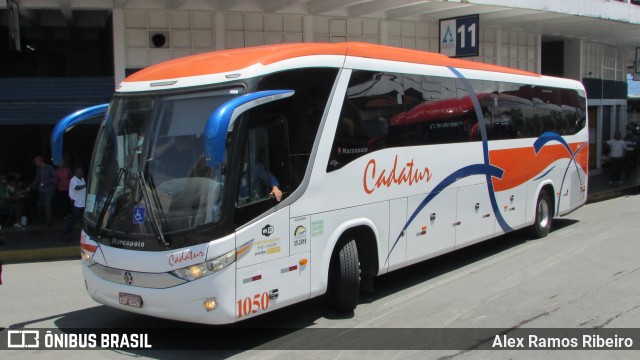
(131, 300)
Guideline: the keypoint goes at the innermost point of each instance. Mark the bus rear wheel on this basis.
(544, 216)
(344, 277)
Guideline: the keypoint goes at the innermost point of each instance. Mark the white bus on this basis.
(385, 157)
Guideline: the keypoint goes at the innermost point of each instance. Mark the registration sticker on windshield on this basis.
(91, 203)
(139, 214)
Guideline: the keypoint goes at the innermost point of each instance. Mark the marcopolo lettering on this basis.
(127, 243)
(352, 151)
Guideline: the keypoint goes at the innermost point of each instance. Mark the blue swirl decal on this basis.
(548, 137)
(68, 121)
(485, 148)
(487, 168)
(475, 169)
(551, 136)
(545, 173)
(573, 159)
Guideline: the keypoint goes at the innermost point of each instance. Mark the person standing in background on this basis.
(618, 148)
(77, 194)
(63, 177)
(45, 184)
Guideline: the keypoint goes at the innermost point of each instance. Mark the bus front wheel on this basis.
(544, 215)
(344, 277)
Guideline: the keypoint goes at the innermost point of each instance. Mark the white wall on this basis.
(191, 32)
(573, 59)
(602, 61)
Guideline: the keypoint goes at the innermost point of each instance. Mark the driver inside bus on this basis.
(177, 157)
(254, 181)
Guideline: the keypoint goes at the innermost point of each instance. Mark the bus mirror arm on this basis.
(67, 123)
(221, 121)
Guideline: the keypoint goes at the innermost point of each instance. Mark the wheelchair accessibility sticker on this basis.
(139, 214)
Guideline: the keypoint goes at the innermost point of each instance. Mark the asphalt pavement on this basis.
(37, 242)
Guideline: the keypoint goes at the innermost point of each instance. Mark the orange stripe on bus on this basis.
(522, 164)
(226, 61)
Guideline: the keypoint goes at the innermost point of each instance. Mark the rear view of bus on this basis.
(229, 184)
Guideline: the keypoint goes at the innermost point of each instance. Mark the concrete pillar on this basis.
(573, 59)
(119, 45)
(307, 28)
(498, 46)
(384, 32)
(219, 27)
(539, 54)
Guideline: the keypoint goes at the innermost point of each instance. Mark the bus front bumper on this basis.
(190, 301)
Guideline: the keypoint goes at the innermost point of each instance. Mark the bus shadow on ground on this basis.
(432, 268)
(285, 328)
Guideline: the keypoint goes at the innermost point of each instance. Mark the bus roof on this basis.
(225, 61)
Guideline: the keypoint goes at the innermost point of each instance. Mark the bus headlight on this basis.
(87, 257)
(198, 271)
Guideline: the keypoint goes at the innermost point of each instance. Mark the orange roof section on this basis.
(226, 61)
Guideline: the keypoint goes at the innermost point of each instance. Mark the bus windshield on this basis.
(149, 175)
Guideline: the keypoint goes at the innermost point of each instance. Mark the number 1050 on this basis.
(250, 306)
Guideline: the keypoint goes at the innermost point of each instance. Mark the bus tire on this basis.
(543, 216)
(344, 277)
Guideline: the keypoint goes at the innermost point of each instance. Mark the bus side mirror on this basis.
(67, 123)
(221, 122)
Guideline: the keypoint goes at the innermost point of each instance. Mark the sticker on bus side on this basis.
(299, 238)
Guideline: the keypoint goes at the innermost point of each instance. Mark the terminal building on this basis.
(58, 56)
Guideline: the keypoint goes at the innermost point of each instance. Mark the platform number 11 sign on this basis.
(459, 36)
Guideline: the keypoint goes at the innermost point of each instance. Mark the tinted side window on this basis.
(373, 99)
(498, 124)
(535, 110)
(303, 111)
(384, 110)
(514, 106)
(262, 163)
(573, 112)
(437, 112)
(547, 110)
(581, 112)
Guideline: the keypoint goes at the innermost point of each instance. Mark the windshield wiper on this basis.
(107, 203)
(142, 182)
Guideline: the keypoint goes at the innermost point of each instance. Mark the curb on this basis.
(41, 254)
(611, 194)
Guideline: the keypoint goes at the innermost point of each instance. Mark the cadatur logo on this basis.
(410, 174)
(186, 255)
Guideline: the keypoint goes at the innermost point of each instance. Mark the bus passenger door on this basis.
(269, 275)
(432, 231)
(475, 220)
